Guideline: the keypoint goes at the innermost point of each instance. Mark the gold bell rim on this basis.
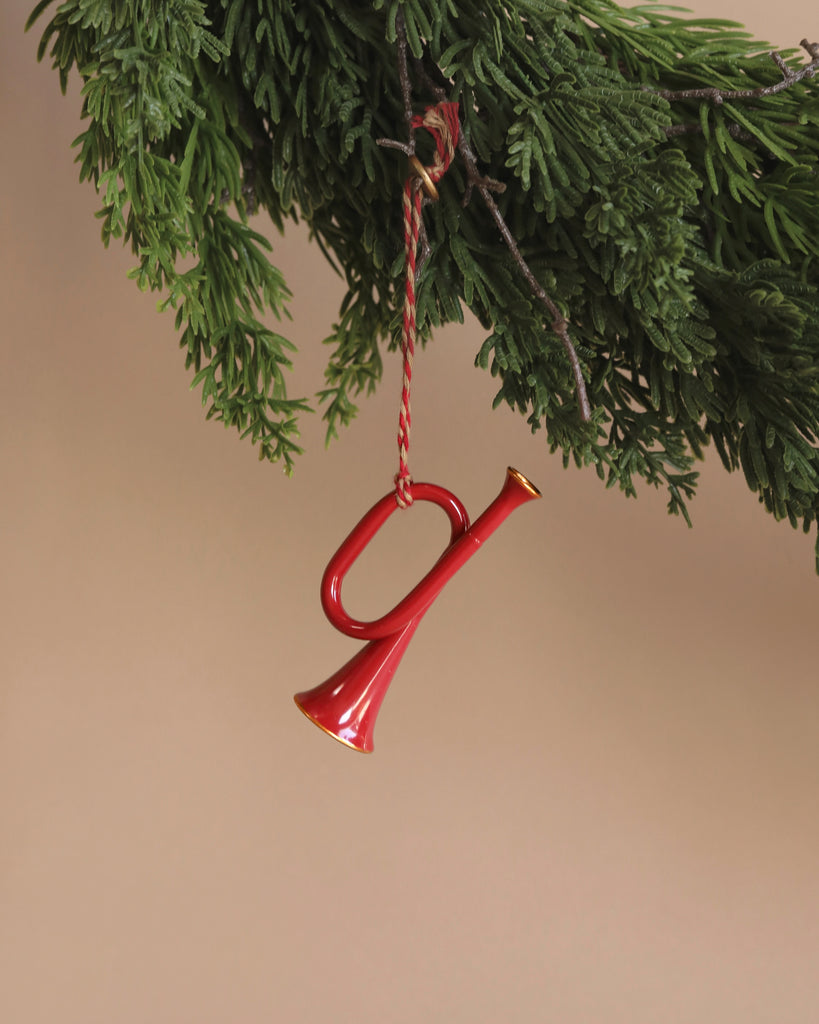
(524, 481)
(332, 735)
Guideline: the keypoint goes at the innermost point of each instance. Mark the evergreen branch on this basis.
(688, 254)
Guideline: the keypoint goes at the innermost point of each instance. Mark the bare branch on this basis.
(485, 187)
(733, 130)
(408, 147)
(404, 147)
(491, 183)
(424, 249)
(403, 76)
(719, 96)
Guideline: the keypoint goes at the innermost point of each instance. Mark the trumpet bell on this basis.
(346, 705)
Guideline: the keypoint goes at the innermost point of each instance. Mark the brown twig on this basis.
(559, 323)
(719, 96)
(485, 187)
(734, 130)
(491, 183)
(403, 76)
(408, 147)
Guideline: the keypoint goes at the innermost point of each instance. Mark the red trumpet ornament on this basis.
(346, 705)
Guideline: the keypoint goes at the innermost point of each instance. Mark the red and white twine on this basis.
(441, 121)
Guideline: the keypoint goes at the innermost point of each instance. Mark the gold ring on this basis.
(421, 172)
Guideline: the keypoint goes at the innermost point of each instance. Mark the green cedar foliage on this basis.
(679, 238)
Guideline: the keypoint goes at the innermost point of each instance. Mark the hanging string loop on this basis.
(441, 121)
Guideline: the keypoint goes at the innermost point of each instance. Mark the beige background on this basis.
(571, 816)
